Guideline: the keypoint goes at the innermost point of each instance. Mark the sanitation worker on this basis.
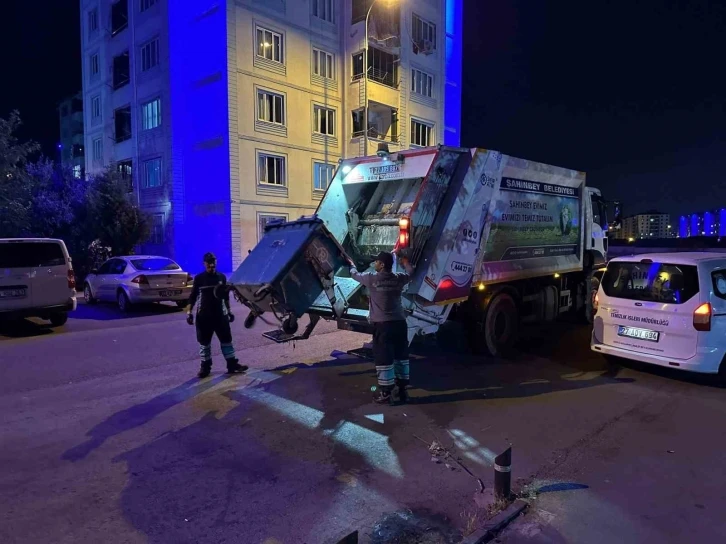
(390, 332)
(213, 317)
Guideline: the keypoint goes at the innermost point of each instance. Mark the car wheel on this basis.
(58, 320)
(88, 295)
(123, 302)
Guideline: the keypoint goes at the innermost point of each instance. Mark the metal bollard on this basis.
(503, 475)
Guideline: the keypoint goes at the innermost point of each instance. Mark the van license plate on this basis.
(13, 293)
(640, 334)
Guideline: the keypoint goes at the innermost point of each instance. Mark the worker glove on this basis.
(190, 319)
(231, 318)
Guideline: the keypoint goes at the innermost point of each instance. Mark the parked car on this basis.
(664, 309)
(138, 279)
(36, 280)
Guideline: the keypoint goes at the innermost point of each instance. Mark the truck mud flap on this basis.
(279, 336)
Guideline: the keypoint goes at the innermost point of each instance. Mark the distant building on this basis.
(649, 225)
(710, 223)
(71, 144)
(227, 115)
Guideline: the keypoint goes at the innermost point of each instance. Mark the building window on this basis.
(122, 124)
(157, 229)
(146, 4)
(360, 10)
(322, 175)
(77, 171)
(126, 170)
(264, 219)
(151, 114)
(93, 21)
(270, 107)
(323, 64)
(98, 149)
(119, 16)
(152, 173)
(271, 169)
(121, 72)
(270, 45)
(94, 65)
(323, 9)
(324, 121)
(149, 55)
(421, 134)
(422, 83)
(424, 35)
(96, 108)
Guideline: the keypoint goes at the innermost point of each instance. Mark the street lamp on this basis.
(390, 3)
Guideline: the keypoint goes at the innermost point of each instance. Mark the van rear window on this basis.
(31, 254)
(655, 282)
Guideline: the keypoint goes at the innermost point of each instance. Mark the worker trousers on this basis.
(390, 353)
(207, 327)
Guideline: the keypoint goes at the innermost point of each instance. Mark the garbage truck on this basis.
(495, 240)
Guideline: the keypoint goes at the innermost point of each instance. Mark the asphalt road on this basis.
(107, 436)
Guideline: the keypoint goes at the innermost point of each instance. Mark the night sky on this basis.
(633, 92)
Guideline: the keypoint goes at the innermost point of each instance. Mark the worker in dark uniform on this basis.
(390, 332)
(213, 317)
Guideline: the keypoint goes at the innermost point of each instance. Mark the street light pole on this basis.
(365, 71)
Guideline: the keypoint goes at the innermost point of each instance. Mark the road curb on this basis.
(493, 526)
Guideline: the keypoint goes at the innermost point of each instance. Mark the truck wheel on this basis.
(499, 328)
(58, 320)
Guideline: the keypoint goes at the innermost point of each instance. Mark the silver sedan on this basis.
(138, 279)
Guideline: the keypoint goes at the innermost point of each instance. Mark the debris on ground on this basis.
(442, 455)
(414, 527)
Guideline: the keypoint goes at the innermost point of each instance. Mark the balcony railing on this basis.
(374, 134)
(388, 79)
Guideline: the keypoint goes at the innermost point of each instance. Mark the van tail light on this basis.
(403, 233)
(71, 279)
(140, 280)
(702, 317)
(595, 303)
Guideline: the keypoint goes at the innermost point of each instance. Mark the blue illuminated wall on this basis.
(695, 231)
(722, 222)
(454, 55)
(200, 179)
(683, 227)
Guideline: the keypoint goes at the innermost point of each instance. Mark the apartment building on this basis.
(71, 144)
(651, 224)
(709, 223)
(226, 115)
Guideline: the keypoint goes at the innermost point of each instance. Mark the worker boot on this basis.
(233, 366)
(205, 369)
(384, 397)
(402, 392)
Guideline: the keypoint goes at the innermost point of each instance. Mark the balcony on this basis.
(382, 123)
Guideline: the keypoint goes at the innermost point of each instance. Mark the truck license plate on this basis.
(170, 293)
(640, 334)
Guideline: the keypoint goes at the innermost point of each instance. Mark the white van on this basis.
(36, 280)
(665, 309)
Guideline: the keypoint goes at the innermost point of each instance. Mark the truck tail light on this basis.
(702, 317)
(140, 280)
(71, 279)
(403, 232)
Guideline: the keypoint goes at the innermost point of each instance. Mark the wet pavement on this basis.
(107, 436)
